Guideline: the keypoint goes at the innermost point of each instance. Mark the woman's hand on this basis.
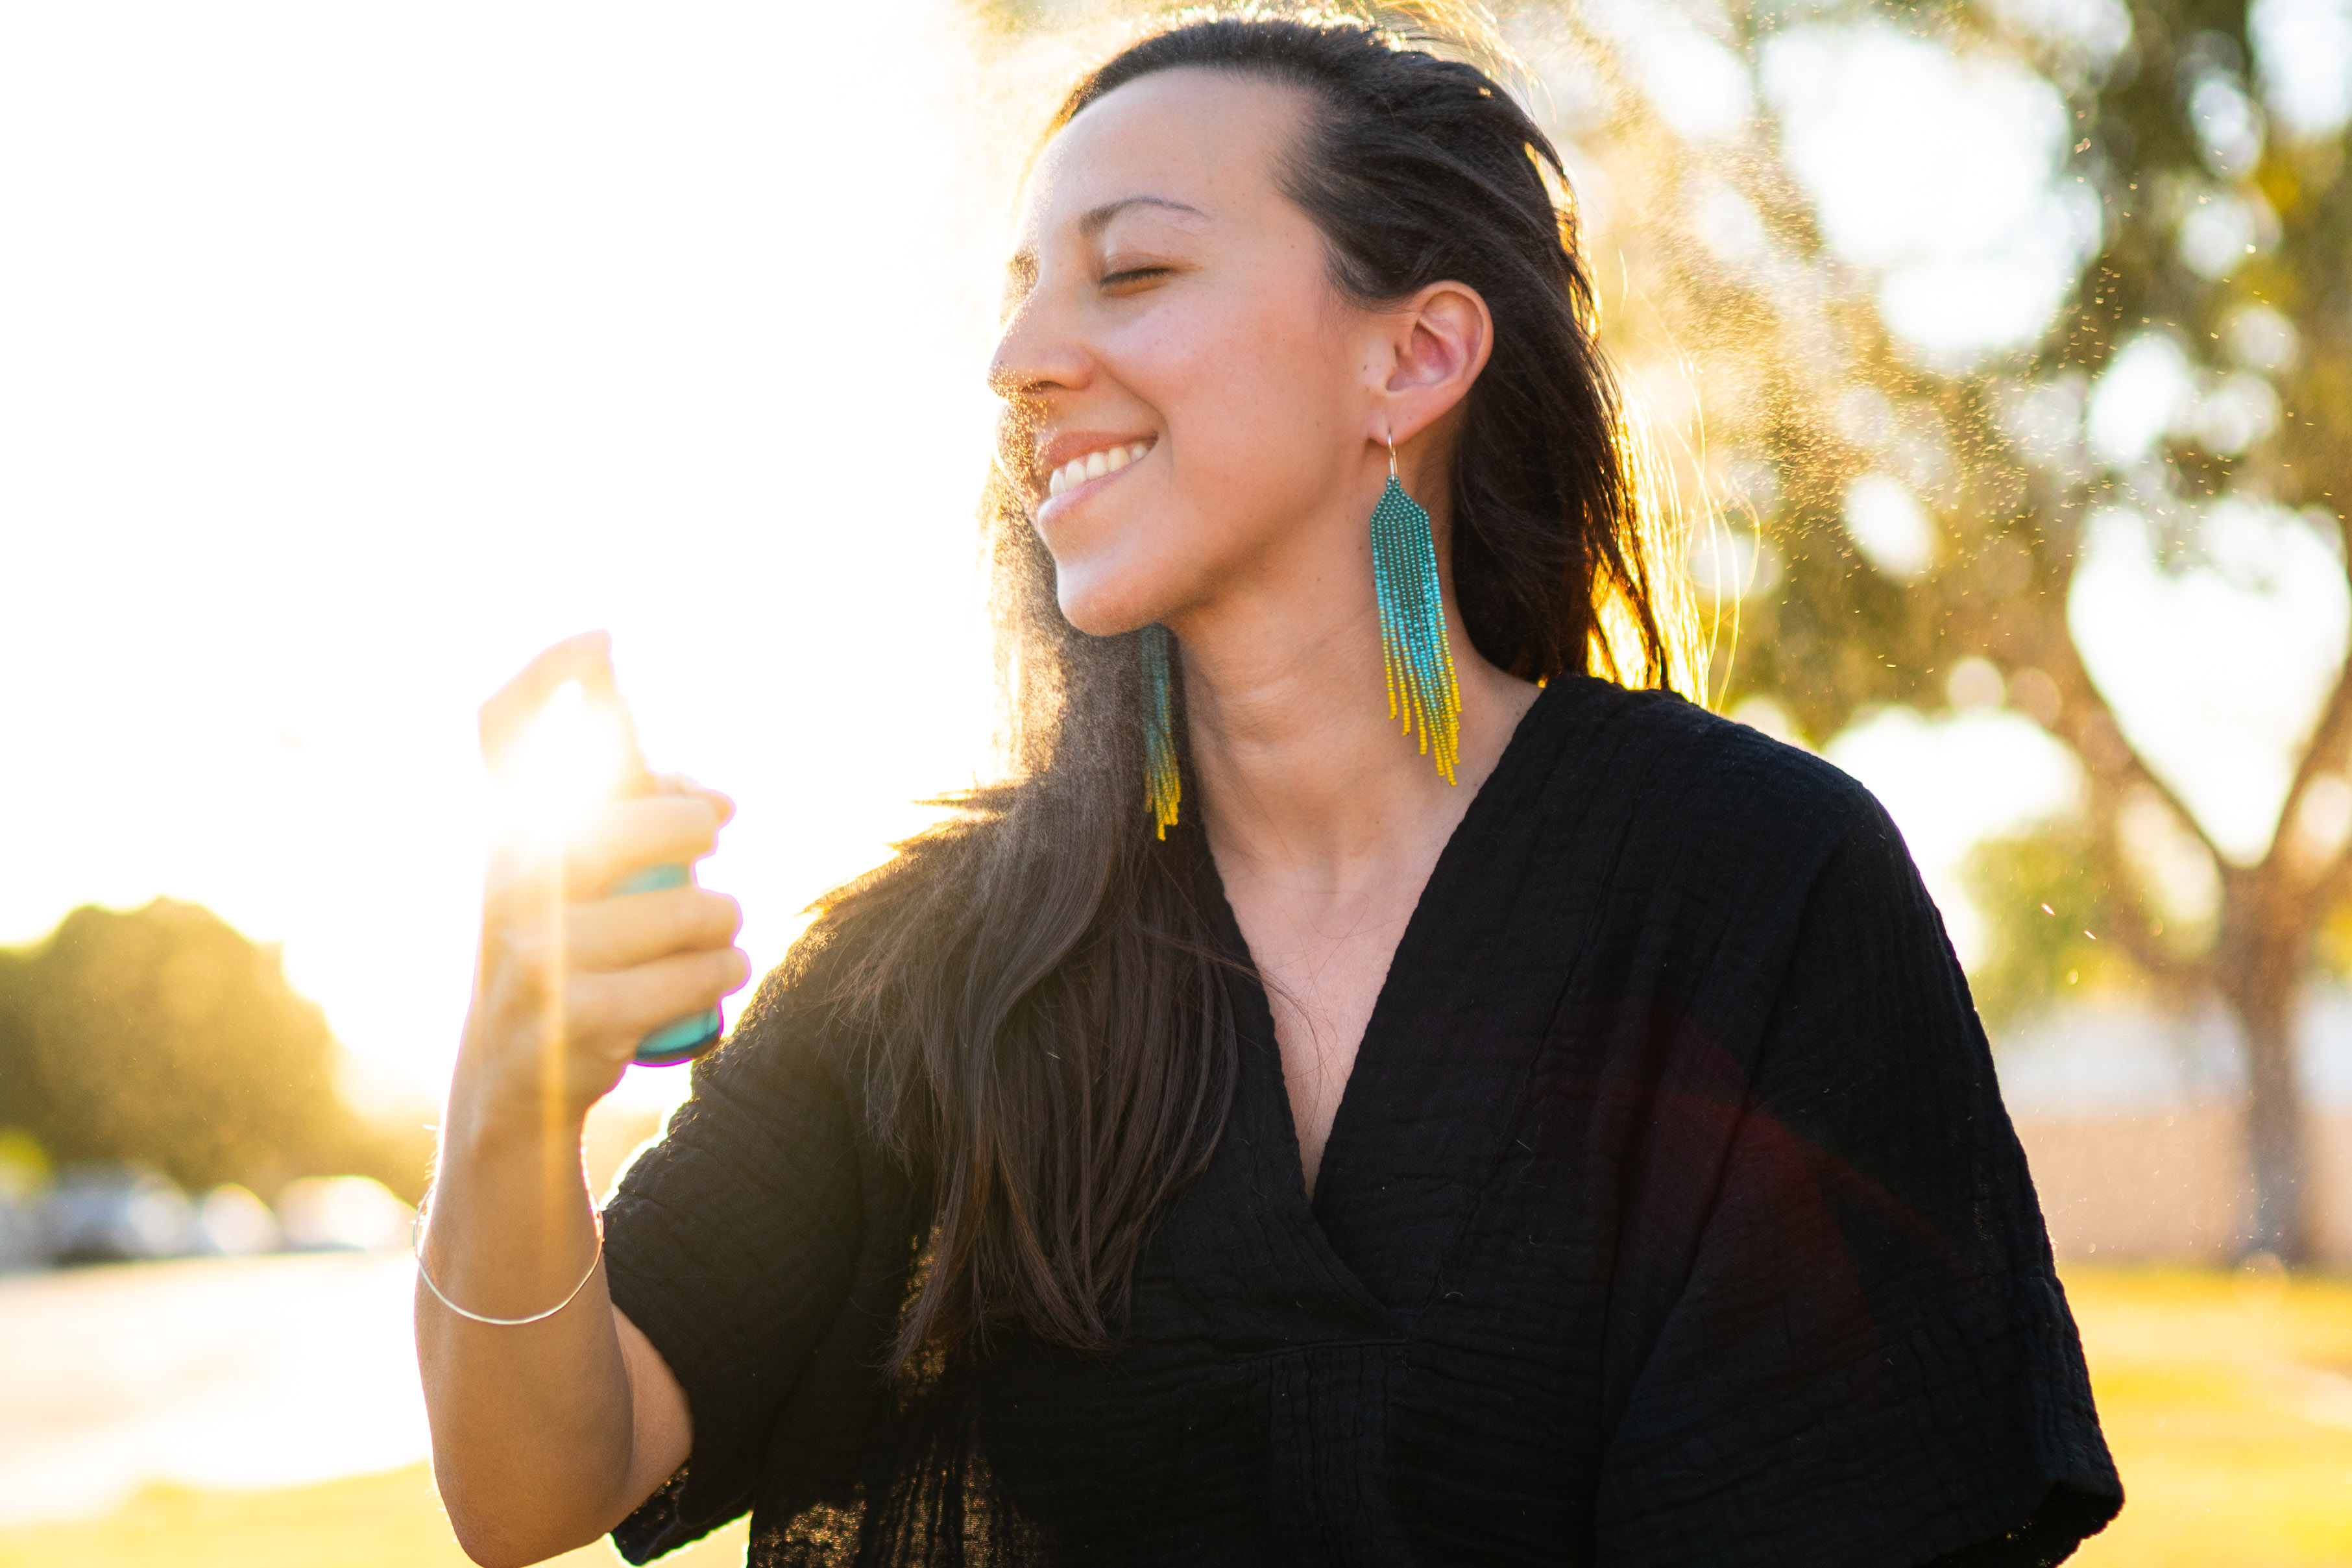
(569, 977)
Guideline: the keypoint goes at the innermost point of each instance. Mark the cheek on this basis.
(1250, 405)
(1254, 407)
(1247, 399)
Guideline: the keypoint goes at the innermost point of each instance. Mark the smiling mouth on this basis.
(1093, 465)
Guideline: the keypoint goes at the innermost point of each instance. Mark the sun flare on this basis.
(576, 755)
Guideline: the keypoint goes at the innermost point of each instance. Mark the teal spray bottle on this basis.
(684, 1039)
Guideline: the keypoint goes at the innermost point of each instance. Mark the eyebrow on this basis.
(1098, 219)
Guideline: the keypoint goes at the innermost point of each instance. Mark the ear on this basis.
(1436, 344)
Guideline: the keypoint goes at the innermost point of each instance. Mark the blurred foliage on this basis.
(1802, 387)
(2041, 899)
(164, 1038)
(2331, 947)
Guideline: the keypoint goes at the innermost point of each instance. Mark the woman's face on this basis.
(1189, 398)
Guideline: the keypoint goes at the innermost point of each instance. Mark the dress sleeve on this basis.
(1871, 1361)
(733, 1243)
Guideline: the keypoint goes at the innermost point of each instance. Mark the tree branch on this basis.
(2331, 738)
(2130, 925)
(2087, 725)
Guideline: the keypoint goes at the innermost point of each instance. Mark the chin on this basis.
(1098, 612)
(1104, 598)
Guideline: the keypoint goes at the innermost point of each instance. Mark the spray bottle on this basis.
(683, 1039)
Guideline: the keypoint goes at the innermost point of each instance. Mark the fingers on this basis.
(587, 658)
(680, 784)
(611, 1013)
(626, 834)
(541, 1009)
(615, 934)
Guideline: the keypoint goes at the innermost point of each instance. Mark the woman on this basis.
(1557, 1134)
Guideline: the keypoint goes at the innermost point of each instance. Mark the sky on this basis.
(348, 355)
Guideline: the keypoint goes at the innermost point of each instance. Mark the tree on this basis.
(164, 1038)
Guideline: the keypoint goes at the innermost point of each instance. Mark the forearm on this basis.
(532, 1425)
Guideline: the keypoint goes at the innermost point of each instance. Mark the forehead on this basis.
(1206, 138)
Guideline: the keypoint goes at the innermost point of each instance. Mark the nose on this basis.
(1039, 352)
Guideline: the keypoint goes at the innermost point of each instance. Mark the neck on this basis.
(1302, 769)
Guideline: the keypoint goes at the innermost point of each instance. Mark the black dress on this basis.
(1670, 1217)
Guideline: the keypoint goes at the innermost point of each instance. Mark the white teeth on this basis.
(1094, 465)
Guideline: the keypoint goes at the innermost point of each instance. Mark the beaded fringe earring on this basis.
(1413, 645)
(1161, 783)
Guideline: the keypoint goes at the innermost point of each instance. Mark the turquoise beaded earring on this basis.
(1422, 691)
(1160, 780)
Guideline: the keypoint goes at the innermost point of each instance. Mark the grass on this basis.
(388, 1521)
(2228, 1402)
(2227, 1399)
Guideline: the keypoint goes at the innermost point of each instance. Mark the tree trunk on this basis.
(2262, 999)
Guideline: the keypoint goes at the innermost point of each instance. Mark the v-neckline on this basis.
(1374, 1047)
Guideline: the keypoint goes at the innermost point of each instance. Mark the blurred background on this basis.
(1999, 355)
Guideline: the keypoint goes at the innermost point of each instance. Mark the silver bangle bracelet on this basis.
(417, 1252)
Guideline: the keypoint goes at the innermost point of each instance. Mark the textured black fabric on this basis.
(1670, 1217)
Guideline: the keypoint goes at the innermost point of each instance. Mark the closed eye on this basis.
(1134, 274)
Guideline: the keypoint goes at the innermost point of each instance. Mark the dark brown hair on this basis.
(1031, 989)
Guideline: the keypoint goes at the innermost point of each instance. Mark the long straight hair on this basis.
(1032, 990)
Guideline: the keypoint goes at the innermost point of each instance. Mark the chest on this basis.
(1323, 959)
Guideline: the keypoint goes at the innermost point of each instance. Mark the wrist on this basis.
(496, 1113)
(481, 1135)
(521, 1072)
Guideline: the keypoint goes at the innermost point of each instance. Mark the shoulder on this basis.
(1718, 789)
